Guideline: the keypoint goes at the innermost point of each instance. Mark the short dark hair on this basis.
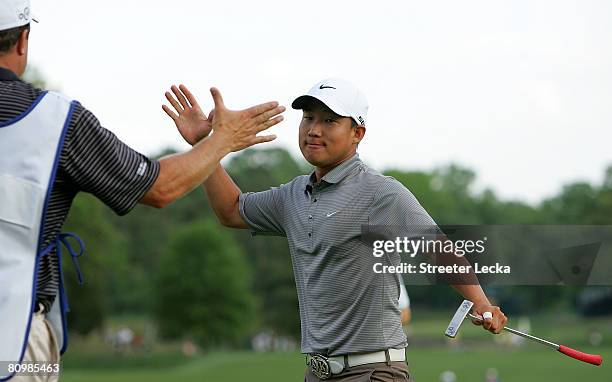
(9, 37)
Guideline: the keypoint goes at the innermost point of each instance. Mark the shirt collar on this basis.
(7, 75)
(338, 173)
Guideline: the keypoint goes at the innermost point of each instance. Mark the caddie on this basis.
(52, 148)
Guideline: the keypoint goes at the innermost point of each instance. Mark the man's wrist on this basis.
(219, 146)
(482, 302)
(198, 139)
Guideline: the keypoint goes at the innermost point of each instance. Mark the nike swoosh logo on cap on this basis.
(326, 87)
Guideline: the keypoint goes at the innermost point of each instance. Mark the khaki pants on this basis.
(42, 348)
(375, 372)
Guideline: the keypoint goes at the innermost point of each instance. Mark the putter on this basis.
(464, 311)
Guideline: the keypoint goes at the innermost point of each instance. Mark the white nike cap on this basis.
(341, 96)
(15, 13)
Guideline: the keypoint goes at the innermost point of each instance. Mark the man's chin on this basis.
(317, 158)
(314, 161)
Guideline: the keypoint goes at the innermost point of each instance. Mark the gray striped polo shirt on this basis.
(344, 306)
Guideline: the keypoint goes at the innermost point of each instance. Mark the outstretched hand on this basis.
(234, 129)
(188, 117)
(238, 129)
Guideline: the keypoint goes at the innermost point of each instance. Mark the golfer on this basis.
(53, 148)
(350, 318)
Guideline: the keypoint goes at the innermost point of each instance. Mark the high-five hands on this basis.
(236, 129)
(189, 118)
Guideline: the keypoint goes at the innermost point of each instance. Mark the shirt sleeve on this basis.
(96, 161)
(394, 205)
(262, 211)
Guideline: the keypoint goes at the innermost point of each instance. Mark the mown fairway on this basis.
(429, 355)
(523, 365)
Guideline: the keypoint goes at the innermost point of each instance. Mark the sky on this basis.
(518, 91)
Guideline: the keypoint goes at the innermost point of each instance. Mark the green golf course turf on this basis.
(525, 364)
(90, 359)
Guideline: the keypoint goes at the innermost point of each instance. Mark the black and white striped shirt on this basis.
(92, 160)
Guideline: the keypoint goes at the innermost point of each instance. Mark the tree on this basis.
(104, 265)
(202, 287)
(274, 284)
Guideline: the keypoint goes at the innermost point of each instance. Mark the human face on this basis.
(327, 139)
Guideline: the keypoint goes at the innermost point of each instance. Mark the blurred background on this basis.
(489, 112)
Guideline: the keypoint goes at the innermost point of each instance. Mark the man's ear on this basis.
(360, 131)
(22, 43)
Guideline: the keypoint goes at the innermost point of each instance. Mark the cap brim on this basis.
(301, 101)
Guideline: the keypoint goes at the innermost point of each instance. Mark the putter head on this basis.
(455, 324)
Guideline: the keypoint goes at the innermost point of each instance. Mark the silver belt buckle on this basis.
(319, 365)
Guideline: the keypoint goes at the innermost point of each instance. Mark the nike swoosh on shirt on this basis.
(326, 87)
(332, 213)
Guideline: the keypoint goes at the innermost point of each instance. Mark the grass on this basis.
(428, 357)
(238, 366)
(426, 365)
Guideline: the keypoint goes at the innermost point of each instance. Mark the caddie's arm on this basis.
(233, 131)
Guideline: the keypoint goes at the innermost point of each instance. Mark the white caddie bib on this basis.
(30, 147)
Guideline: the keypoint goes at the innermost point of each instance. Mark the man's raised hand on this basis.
(239, 128)
(188, 117)
(235, 129)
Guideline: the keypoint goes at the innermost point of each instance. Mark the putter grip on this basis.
(594, 359)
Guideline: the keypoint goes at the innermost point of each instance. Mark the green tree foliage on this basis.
(149, 230)
(448, 195)
(444, 193)
(124, 253)
(104, 266)
(135, 245)
(258, 170)
(202, 286)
